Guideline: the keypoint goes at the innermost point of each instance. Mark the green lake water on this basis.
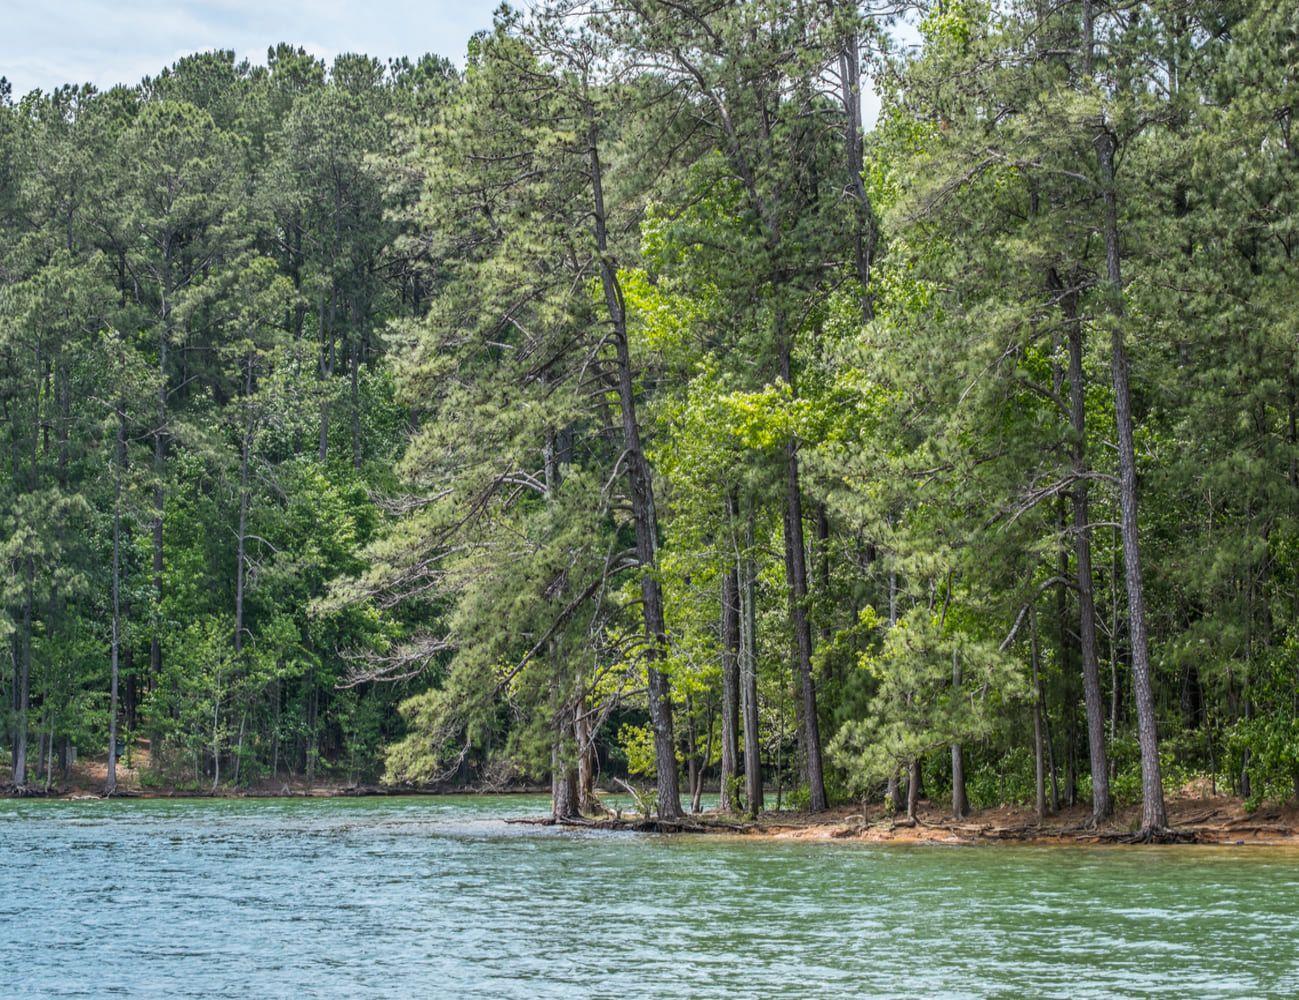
(430, 897)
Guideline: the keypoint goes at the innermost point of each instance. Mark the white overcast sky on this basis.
(105, 42)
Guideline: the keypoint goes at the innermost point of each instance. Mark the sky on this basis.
(105, 42)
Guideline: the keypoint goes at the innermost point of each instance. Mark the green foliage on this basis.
(382, 359)
(934, 686)
(202, 264)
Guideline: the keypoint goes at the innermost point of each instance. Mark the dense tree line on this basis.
(651, 416)
(195, 278)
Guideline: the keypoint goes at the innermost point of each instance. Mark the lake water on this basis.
(425, 897)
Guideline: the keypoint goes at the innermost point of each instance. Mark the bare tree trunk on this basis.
(23, 655)
(865, 231)
(48, 741)
(730, 687)
(1114, 636)
(241, 538)
(1039, 749)
(159, 500)
(694, 772)
(216, 743)
(563, 782)
(326, 371)
(355, 388)
(797, 562)
(241, 543)
(309, 748)
(159, 510)
(275, 733)
(746, 577)
(891, 791)
(563, 773)
(796, 566)
(913, 789)
(696, 800)
(239, 747)
(960, 801)
(566, 785)
(587, 803)
(1154, 817)
(1102, 807)
(110, 785)
(131, 698)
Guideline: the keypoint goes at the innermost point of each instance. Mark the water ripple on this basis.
(422, 897)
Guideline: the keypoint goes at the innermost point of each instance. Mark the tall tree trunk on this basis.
(1154, 817)
(131, 694)
(746, 577)
(822, 550)
(1039, 743)
(730, 687)
(239, 748)
(23, 647)
(960, 801)
(309, 752)
(1115, 699)
(1051, 769)
(326, 371)
(1102, 807)
(565, 786)
(110, 785)
(641, 487)
(241, 538)
(696, 798)
(694, 772)
(241, 547)
(563, 778)
(913, 789)
(587, 802)
(865, 230)
(23, 662)
(48, 741)
(216, 742)
(796, 567)
(159, 508)
(355, 388)
(892, 797)
(795, 557)
(277, 698)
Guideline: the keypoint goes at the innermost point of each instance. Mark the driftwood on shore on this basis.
(1217, 825)
(643, 824)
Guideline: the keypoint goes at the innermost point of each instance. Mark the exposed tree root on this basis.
(27, 791)
(640, 824)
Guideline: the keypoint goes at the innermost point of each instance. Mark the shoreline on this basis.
(1218, 821)
(1194, 817)
(319, 790)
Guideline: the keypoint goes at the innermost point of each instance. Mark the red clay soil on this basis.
(1194, 818)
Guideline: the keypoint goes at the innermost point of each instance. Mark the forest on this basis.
(624, 404)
